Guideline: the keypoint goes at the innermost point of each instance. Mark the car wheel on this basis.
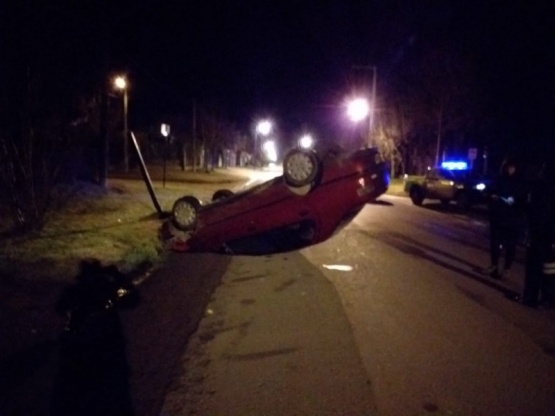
(185, 213)
(416, 196)
(221, 194)
(463, 201)
(300, 167)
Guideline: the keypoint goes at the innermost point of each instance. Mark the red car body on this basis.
(276, 216)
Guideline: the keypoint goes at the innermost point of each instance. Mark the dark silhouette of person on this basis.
(507, 217)
(93, 371)
(540, 253)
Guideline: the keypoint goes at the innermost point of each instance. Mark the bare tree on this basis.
(435, 102)
(218, 135)
(33, 153)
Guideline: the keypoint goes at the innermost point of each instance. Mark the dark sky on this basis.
(291, 60)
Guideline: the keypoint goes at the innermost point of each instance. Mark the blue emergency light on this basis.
(454, 165)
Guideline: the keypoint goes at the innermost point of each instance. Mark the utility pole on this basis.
(121, 83)
(485, 164)
(125, 132)
(439, 131)
(373, 112)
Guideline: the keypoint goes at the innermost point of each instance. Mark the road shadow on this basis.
(470, 270)
(381, 202)
(93, 372)
(478, 212)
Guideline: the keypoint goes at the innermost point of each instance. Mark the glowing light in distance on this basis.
(270, 151)
(306, 141)
(120, 83)
(358, 109)
(264, 127)
(452, 165)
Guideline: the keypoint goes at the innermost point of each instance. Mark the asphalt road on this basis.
(408, 326)
(157, 331)
(436, 334)
(274, 341)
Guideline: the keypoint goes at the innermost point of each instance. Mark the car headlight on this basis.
(480, 186)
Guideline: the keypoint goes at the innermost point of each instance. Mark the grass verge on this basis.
(116, 225)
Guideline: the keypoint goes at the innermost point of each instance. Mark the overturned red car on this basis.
(316, 194)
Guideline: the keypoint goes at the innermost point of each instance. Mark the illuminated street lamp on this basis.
(263, 128)
(165, 131)
(121, 84)
(269, 148)
(357, 110)
(306, 141)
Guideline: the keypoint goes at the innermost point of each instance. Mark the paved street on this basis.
(391, 316)
(407, 326)
(274, 341)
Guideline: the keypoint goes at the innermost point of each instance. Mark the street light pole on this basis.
(194, 136)
(439, 131)
(263, 128)
(372, 109)
(256, 149)
(165, 131)
(121, 83)
(125, 132)
(357, 110)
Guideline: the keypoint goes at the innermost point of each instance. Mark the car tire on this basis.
(221, 194)
(463, 201)
(300, 167)
(185, 213)
(416, 196)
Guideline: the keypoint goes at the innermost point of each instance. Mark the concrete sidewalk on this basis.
(274, 341)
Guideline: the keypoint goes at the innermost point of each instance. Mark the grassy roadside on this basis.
(107, 224)
(117, 225)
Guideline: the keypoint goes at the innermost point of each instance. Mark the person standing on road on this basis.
(507, 217)
(540, 253)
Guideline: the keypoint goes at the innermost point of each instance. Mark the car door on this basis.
(445, 185)
(432, 181)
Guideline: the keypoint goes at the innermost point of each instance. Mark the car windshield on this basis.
(458, 174)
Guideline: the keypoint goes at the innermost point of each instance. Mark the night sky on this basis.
(292, 61)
